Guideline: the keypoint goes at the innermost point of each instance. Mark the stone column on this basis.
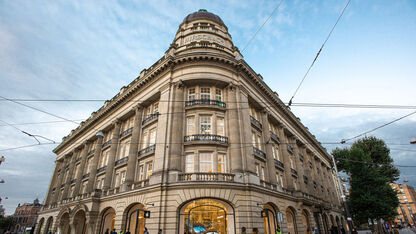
(234, 136)
(299, 165)
(271, 169)
(112, 155)
(59, 181)
(175, 157)
(79, 174)
(134, 147)
(52, 184)
(286, 159)
(70, 174)
(93, 172)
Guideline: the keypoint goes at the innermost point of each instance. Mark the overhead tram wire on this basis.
(28, 134)
(258, 30)
(317, 54)
(381, 126)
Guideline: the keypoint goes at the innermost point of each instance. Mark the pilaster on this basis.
(109, 170)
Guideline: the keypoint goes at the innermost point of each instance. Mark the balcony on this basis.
(279, 164)
(289, 148)
(78, 159)
(205, 102)
(274, 137)
(86, 176)
(150, 118)
(206, 176)
(101, 169)
(255, 122)
(91, 152)
(121, 161)
(126, 132)
(106, 143)
(140, 184)
(259, 153)
(147, 150)
(210, 138)
(301, 157)
(294, 172)
(305, 179)
(62, 185)
(73, 181)
(310, 164)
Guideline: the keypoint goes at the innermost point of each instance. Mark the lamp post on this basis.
(344, 199)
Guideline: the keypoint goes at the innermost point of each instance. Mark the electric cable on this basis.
(317, 54)
(28, 134)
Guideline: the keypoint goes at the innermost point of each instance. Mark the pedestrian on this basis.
(128, 232)
(121, 232)
(145, 231)
(243, 230)
(114, 231)
(315, 230)
(160, 231)
(107, 231)
(278, 231)
(255, 231)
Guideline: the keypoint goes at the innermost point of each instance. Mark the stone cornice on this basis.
(147, 75)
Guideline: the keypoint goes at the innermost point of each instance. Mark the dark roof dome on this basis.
(203, 14)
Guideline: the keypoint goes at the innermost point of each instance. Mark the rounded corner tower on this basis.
(197, 143)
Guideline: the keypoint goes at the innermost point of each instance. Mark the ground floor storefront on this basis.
(191, 209)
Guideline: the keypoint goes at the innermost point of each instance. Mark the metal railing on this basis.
(121, 161)
(101, 169)
(278, 163)
(140, 184)
(150, 118)
(206, 176)
(126, 132)
(73, 181)
(294, 172)
(106, 143)
(86, 176)
(91, 152)
(206, 137)
(62, 185)
(289, 148)
(147, 150)
(256, 122)
(78, 159)
(305, 178)
(301, 156)
(205, 102)
(259, 153)
(274, 136)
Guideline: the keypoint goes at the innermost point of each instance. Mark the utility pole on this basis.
(344, 199)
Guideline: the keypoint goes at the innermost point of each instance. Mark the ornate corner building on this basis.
(198, 143)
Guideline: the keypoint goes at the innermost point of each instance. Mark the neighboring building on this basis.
(407, 207)
(24, 218)
(199, 141)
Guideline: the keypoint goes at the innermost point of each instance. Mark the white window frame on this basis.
(223, 163)
(201, 162)
(201, 117)
(218, 94)
(191, 96)
(149, 172)
(189, 163)
(220, 125)
(189, 124)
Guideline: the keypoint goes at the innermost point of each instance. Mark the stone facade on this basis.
(407, 207)
(200, 142)
(25, 216)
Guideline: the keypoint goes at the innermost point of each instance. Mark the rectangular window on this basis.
(205, 162)
(156, 108)
(220, 126)
(191, 94)
(89, 165)
(205, 93)
(149, 169)
(205, 124)
(262, 173)
(141, 172)
(144, 139)
(218, 94)
(124, 149)
(189, 163)
(152, 138)
(122, 177)
(257, 169)
(259, 141)
(117, 180)
(275, 151)
(253, 138)
(222, 163)
(291, 163)
(190, 125)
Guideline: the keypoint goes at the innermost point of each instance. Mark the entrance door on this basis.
(136, 221)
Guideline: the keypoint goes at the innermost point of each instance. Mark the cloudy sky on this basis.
(90, 49)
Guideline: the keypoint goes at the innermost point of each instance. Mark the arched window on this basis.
(271, 223)
(135, 219)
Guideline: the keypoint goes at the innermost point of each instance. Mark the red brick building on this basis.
(25, 216)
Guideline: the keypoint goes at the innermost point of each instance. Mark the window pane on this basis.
(189, 163)
(205, 126)
(144, 140)
(149, 170)
(205, 93)
(220, 126)
(156, 108)
(190, 125)
(152, 139)
(218, 94)
(205, 162)
(141, 173)
(191, 94)
(222, 163)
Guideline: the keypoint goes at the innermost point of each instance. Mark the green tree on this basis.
(5, 222)
(370, 169)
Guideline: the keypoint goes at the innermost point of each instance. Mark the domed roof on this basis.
(203, 14)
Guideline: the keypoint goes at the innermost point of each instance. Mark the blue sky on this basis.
(90, 49)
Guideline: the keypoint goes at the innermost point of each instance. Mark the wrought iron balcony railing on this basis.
(62, 185)
(86, 176)
(150, 118)
(259, 153)
(101, 169)
(78, 159)
(205, 102)
(106, 143)
(126, 132)
(289, 148)
(121, 161)
(73, 181)
(206, 176)
(147, 150)
(274, 137)
(301, 157)
(207, 137)
(256, 122)
(294, 172)
(91, 152)
(278, 163)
